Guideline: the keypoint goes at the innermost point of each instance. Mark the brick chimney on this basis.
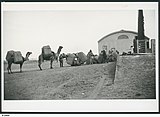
(141, 38)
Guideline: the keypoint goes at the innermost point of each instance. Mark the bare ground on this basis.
(76, 82)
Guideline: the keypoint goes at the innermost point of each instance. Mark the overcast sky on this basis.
(75, 30)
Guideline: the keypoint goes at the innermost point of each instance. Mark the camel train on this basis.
(80, 58)
(74, 59)
(16, 58)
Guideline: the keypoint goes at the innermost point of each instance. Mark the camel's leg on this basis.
(51, 63)
(40, 62)
(8, 69)
(57, 59)
(39, 65)
(21, 67)
(60, 63)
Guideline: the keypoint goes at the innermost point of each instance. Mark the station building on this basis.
(120, 40)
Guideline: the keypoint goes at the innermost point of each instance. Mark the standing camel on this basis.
(10, 60)
(52, 57)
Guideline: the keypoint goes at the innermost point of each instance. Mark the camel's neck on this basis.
(26, 58)
(59, 51)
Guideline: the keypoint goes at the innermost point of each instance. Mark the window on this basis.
(123, 37)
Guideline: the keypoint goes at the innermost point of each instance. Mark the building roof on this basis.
(121, 31)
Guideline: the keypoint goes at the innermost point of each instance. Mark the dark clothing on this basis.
(103, 57)
(90, 57)
(61, 60)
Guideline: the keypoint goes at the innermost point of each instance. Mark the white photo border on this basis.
(151, 105)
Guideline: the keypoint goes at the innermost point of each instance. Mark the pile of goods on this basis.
(16, 55)
(76, 58)
(46, 52)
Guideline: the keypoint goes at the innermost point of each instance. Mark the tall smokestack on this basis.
(141, 47)
(140, 25)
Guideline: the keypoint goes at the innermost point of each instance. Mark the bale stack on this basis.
(114, 54)
(46, 51)
(76, 59)
(10, 54)
(82, 57)
(100, 58)
(95, 59)
(16, 55)
(70, 59)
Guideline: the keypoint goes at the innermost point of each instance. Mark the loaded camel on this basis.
(10, 60)
(53, 56)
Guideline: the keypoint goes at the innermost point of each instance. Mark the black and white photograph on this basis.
(79, 57)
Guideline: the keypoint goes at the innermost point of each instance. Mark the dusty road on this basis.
(76, 82)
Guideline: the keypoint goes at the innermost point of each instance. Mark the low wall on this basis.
(137, 72)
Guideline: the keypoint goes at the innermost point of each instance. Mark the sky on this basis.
(76, 28)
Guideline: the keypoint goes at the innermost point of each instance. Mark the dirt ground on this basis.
(68, 82)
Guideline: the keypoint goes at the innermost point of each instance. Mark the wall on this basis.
(135, 75)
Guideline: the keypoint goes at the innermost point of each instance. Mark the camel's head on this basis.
(28, 54)
(60, 47)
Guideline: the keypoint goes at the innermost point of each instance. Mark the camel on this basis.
(52, 57)
(10, 60)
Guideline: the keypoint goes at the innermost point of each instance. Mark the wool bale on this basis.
(76, 62)
(10, 54)
(95, 59)
(18, 56)
(114, 54)
(82, 57)
(100, 58)
(70, 58)
(46, 51)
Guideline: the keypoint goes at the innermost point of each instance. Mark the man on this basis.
(132, 48)
(61, 59)
(90, 57)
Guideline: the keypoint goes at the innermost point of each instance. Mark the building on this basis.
(121, 41)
